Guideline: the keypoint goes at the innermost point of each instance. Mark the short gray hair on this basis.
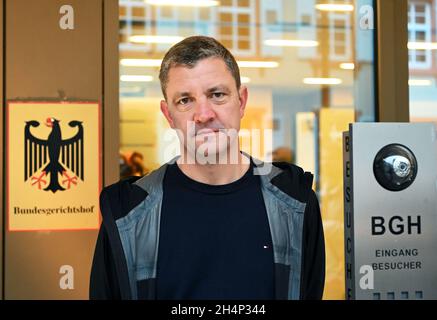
(190, 51)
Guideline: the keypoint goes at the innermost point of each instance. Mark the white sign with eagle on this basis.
(55, 154)
(53, 165)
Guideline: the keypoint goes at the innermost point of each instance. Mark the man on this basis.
(213, 223)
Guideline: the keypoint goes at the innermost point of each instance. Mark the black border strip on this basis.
(376, 59)
(4, 158)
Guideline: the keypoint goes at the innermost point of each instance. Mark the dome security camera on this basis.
(395, 167)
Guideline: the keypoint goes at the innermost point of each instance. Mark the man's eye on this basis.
(184, 101)
(218, 95)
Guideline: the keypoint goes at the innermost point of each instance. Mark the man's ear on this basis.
(166, 113)
(243, 100)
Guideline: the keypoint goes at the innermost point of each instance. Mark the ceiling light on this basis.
(419, 82)
(136, 78)
(422, 45)
(258, 64)
(157, 63)
(335, 7)
(327, 81)
(141, 62)
(155, 39)
(347, 66)
(290, 43)
(183, 3)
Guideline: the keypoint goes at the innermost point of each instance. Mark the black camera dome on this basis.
(395, 167)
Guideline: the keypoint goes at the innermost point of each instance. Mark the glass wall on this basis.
(422, 44)
(309, 68)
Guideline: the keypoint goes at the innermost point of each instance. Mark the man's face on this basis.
(204, 105)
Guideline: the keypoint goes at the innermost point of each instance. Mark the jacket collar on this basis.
(152, 183)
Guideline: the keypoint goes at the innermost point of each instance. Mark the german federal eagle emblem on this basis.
(47, 160)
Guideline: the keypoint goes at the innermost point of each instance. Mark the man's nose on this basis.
(203, 112)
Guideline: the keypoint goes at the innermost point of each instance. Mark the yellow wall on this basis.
(138, 128)
(332, 123)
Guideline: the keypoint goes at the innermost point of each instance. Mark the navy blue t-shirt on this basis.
(214, 241)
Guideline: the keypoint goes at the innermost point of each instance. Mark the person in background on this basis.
(125, 168)
(282, 154)
(136, 161)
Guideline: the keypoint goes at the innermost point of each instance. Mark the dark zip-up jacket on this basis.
(125, 258)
